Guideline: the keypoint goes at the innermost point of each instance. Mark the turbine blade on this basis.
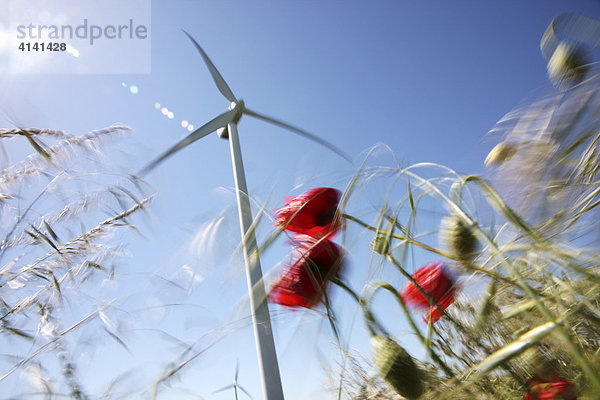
(219, 81)
(237, 369)
(223, 389)
(245, 391)
(199, 133)
(300, 132)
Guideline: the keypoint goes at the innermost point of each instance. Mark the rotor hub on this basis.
(239, 107)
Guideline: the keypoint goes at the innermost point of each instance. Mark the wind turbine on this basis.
(235, 384)
(226, 125)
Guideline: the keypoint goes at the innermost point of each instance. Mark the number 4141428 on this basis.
(42, 46)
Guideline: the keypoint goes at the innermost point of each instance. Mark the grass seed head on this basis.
(502, 152)
(568, 65)
(380, 245)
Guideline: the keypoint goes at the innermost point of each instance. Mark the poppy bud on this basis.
(567, 66)
(459, 238)
(397, 367)
(380, 245)
(502, 152)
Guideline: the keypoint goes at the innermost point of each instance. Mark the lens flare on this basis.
(75, 53)
(165, 111)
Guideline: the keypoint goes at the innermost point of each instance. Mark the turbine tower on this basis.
(226, 125)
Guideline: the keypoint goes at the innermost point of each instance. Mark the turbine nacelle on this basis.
(223, 133)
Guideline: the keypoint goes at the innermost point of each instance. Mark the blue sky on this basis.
(428, 79)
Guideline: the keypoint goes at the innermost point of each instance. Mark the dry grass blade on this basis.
(7, 133)
(37, 147)
(529, 339)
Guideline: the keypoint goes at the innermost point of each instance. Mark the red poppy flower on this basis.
(305, 278)
(553, 388)
(436, 281)
(312, 213)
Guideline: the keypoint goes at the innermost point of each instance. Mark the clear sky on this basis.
(428, 79)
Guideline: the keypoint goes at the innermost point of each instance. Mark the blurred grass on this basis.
(48, 256)
(535, 301)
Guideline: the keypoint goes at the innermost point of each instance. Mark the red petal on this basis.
(435, 313)
(435, 280)
(305, 279)
(312, 213)
(554, 388)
